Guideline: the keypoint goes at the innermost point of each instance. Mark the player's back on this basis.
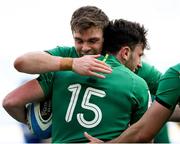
(102, 107)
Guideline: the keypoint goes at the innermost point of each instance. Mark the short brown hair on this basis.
(88, 16)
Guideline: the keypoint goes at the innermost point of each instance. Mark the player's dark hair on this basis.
(121, 33)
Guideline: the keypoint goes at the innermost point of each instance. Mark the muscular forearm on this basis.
(41, 62)
(15, 110)
(37, 62)
(14, 103)
(142, 131)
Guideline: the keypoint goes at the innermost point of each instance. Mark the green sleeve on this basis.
(46, 80)
(63, 51)
(151, 75)
(140, 99)
(168, 93)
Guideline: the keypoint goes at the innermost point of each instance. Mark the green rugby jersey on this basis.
(168, 93)
(151, 75)
(63, 51)
(148, 72)
(102, 107)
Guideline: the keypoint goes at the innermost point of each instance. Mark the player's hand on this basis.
(90, 66)
(92, 139)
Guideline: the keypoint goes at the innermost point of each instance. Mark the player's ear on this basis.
(125, 53)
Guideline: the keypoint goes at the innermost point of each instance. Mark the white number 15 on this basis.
(75, 89)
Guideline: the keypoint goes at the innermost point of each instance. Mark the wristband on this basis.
(66, 63)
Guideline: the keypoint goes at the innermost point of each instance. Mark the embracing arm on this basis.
(41, 62)
(143, 131)
(14, 103)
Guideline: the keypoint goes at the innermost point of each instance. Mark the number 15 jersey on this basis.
(102, 107)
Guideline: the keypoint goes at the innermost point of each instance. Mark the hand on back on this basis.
(89, 65)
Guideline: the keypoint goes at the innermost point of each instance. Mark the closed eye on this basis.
(78, 40)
